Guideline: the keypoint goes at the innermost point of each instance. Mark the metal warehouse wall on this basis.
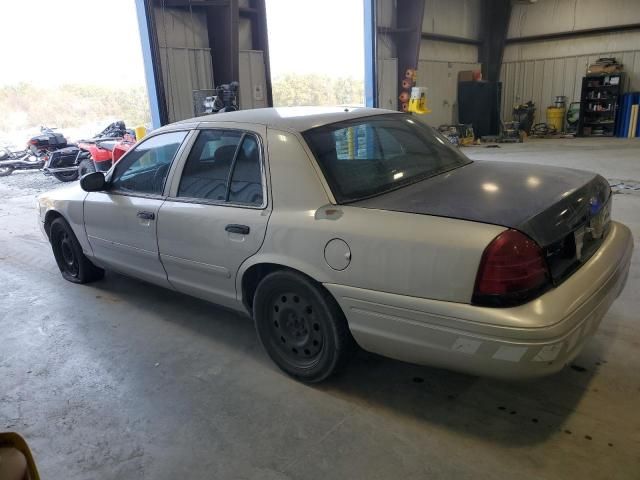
(185, 57)
(539, 71)
(439, 62)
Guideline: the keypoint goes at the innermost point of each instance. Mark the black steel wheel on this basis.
(72, 262)
(66, 176)
(301, 326)
(6, 171)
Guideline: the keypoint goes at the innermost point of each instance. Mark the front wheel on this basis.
(67, 176)
(301, 326)
(72, 262)
(6, 171)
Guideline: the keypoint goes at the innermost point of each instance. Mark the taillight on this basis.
(512, 271)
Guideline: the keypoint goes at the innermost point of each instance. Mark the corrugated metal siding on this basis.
(550, 16)
(543, 79)
(252, 79)
(458, 18)
(185, 58)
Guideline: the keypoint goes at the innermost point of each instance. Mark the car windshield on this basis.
(368, 156)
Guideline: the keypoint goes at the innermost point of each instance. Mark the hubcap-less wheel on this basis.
(301, 326)
(73, 264)
(4, 171)
(69, 260)
(295, 332)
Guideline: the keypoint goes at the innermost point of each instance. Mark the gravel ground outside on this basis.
(28, 182)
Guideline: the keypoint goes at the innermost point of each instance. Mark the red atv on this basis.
(96, 154)
(106, 148)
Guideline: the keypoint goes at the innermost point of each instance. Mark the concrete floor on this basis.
(125, 380)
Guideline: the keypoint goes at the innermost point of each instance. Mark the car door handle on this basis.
(241, 229)
(146, 215)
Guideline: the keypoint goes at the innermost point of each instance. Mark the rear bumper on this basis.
(531, 340)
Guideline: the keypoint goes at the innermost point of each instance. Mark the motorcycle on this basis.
(22, 160)
(53, 144)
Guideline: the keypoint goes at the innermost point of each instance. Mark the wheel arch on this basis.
(252, 273)
(49, 217)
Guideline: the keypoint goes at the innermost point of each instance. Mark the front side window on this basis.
(368, 156)
(223, 166)
(144, 169)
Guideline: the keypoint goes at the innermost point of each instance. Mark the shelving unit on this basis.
(599, 104)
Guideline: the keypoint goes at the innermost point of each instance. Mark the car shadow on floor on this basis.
(509, 413)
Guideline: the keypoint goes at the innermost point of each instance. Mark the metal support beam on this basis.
(575, 33)
(370, 54)
(450, 39)
(494, 24)
(409, 14)
(222, 25)
(260, 40)
(152, 67)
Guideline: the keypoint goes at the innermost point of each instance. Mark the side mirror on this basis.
(93, 182)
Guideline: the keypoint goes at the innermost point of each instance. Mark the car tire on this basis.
(72, 262)
(86, 166)
(6, 171)
(66, 176)
(301, 326)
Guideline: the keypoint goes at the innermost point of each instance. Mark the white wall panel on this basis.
(458, 18)
(252, 79)
(441, 78)
(388, 83)
(448, 52)
(185, 58)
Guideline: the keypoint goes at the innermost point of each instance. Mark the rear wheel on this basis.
(5, 171)
(67, 176)
(301, 326)
(72, 262)
(86, 166)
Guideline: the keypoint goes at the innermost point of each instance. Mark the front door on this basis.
(216, 215)
(121, 222)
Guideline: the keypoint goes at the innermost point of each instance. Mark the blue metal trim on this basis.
(370, 54)
(147, 57)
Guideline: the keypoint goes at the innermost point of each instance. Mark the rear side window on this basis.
(223, 166)
(207, 168)
(369, 156)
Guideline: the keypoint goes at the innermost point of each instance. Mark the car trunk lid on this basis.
(565, 211)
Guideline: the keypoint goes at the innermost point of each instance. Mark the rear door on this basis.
(216, 214)
(121, 222)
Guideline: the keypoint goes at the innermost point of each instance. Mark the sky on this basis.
(51, 42)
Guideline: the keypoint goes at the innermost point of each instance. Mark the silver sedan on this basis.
(341, 227)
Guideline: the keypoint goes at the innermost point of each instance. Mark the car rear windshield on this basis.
(368, 156)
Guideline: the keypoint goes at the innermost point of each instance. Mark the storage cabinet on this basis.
(599, 102)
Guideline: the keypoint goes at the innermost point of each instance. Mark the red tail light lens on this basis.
(512, 271)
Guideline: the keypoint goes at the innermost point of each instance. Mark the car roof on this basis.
(296, 119)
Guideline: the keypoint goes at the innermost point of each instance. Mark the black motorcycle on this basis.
(22, 160)
(53, 144)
